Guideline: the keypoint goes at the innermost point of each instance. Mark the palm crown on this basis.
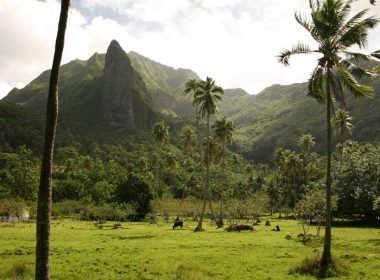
(206, 96)
(335, 33)
(160, 134)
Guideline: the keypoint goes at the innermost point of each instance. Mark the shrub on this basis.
(312, 265)
(137, 192)
(20, 270)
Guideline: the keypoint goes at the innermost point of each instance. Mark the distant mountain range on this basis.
(127, 93)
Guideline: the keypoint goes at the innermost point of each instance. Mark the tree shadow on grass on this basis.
(136, 237)
(375, 242)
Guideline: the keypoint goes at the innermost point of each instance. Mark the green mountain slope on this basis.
(120, 95)
(280, 114)
(165, 85)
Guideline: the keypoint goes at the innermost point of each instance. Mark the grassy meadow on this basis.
(82, 250)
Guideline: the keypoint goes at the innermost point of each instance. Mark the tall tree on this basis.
(335, 32)
(172, 164)
(42, 265)
(306, 142)
(160, 133)
(341, 123)
(223, 130)
(191, 87)
(205, 99)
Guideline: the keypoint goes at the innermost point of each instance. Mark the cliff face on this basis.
(124, 101)
(124, 98)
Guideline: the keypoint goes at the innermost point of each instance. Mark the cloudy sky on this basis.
(233, 41)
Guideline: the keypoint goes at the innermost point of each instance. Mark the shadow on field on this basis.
(135, 237)
(375, 242)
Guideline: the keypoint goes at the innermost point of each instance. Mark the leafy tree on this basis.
(137, 192)
(22, 179)
(357, 182)
(334, 32)
(42, 270)
(205, 99)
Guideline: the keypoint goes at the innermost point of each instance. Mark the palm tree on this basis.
(172, 165)
(223, 130)
(142, 164)
(160, 133)
(341, 123)
(187, 138)
(42, 266)
(334, 32)
(191, 87)
(205, 99)
(306, 142)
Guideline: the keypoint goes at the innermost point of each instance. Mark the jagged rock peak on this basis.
(115, 51)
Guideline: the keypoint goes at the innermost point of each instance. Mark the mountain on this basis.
(83, 88)
(117, 96)
(279, 115)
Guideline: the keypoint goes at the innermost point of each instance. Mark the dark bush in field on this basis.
(137, 192)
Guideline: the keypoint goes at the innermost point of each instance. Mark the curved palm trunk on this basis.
(42, 265)
(326, 255)
(206, 188)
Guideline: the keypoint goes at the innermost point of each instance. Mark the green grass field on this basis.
(80, 250)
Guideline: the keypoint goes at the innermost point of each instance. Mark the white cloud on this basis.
(234, 41)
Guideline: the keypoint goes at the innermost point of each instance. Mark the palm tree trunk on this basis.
(42, 266)
(206, 188)
(326, 255)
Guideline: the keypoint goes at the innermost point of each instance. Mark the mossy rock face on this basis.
(124, 98)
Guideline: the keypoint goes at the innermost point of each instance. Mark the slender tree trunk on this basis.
(42, 266)
(326, 255)
(206, 188)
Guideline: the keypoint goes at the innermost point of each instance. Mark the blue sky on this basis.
(233, 41)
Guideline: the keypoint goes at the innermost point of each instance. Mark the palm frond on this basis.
(357, 71)
(357, 57)
(316, 85)
(351, 84)
(376, 54)
(337, 89)
(357, 34)
(300, 48)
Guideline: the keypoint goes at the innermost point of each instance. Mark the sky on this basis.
(233, 41)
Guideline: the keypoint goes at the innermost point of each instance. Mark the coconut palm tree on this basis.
(187, 138)
(335, 32)
(306, 142)
(160, 133)
(172, 165)
(341, 123)
(223, 130)
(42, 265)
(205, 99)
(191, 87)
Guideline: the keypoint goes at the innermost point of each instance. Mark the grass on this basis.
(81, 250)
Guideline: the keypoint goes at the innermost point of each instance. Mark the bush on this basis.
(137, 192)
(20, 270)
(312, 266)
(68, 190)
(12, 206)
(107, 212)
(68, 208)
